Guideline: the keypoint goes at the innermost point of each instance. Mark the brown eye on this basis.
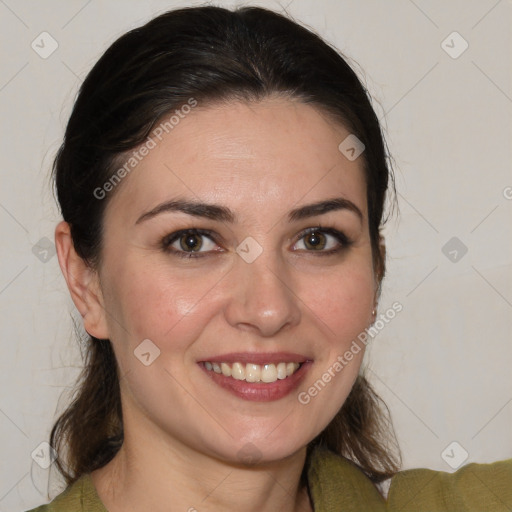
(315, 240)
(191, 242)
(323, 241)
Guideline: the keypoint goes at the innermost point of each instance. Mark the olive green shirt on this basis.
(337, 485)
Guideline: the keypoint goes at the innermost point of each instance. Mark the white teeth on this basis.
(238, 371)
(281, 371)
(251, 372)
(226, 370)
(290, 368)
(269, 373)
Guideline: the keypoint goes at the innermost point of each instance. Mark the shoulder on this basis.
(336, 483)
(80, 496)
(474, 487)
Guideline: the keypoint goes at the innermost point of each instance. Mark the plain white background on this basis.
(443, 364)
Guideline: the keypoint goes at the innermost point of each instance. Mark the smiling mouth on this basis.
(252, 372)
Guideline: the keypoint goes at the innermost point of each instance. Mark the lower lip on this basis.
(259, 391)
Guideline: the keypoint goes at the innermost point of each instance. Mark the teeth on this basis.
(238, 371)
(251, 372)
(269, 373)
(226, 370)
(281, 371)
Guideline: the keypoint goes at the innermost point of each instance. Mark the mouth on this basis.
(257, 377)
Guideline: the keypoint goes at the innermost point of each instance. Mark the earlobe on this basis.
(83, 283)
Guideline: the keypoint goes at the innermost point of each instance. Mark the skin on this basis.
(183, 433)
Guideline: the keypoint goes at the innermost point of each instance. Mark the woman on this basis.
(222, 183)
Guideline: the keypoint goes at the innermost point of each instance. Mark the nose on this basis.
(262, 299)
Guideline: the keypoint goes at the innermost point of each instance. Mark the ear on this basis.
(83, 283)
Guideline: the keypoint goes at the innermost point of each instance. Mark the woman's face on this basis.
(241, 238)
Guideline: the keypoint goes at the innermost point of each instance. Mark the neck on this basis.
(147, 474)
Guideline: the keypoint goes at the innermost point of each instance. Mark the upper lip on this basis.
(258, 358)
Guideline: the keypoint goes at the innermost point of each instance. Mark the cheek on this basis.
(163, 306)
(342, 301)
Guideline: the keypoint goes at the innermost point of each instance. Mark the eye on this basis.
(322, 240)
(189, 243)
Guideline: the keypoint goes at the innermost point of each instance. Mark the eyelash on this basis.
(168, 240)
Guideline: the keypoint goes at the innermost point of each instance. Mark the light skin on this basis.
(183, 432)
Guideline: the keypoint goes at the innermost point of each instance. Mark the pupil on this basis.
(191, 242)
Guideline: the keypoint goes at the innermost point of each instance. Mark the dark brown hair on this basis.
(210, 54)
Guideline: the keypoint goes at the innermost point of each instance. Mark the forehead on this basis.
(265, 156)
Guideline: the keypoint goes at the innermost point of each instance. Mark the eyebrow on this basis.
(322, 207)
(194, 208)
(223, 214)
